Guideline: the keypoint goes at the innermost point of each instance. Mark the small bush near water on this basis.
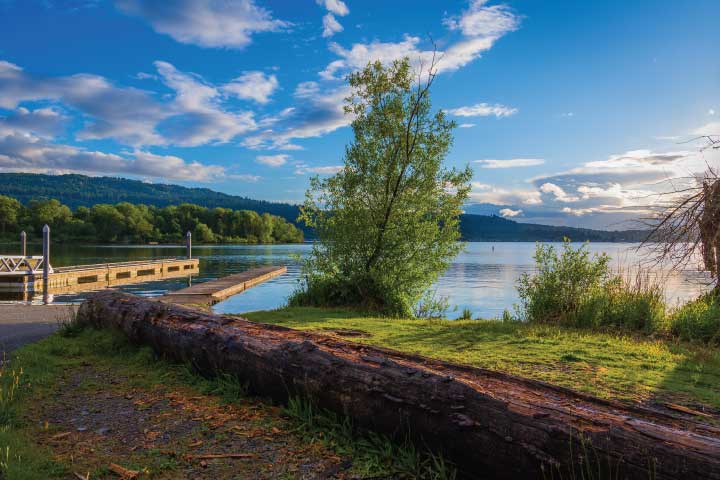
(698, 320)
(577, 289)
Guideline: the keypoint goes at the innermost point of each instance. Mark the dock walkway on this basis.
(103, 275)
(213, 291)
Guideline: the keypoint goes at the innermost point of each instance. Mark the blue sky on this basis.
(570, 112)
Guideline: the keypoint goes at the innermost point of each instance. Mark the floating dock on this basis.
(97, 276)
(213, 291)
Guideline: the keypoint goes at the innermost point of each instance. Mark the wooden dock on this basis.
(213, 291)
(96, 276)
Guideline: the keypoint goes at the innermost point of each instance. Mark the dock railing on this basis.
(22, 265)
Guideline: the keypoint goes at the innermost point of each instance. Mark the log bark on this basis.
(490, 424)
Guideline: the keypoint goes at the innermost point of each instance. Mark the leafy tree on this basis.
(388, 222)
(50, 212)
(10, 210)
(109, 222)
(203, 233)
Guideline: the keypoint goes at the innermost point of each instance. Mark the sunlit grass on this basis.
(622, 365)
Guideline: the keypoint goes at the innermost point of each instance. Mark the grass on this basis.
(48, 365)
(626, 366)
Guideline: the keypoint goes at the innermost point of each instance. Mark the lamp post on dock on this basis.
(46, 262)
(188, 244)
(23, 243)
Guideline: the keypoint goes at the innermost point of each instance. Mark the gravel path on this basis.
(21, 324)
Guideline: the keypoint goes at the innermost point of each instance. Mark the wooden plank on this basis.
(214, 291)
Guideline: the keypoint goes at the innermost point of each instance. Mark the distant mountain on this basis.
(483, 228)
(80, 190)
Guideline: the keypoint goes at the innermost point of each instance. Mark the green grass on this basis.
(622, 366)
(47, 363)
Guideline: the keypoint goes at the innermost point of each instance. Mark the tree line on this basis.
(130, 223)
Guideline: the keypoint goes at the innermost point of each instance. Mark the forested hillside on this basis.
(79, 190)
(128, 223)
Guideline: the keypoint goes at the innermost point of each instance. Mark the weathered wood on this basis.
(492, 425)
(213, 291)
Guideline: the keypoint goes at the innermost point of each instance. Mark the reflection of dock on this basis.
(208, 293)
(92, 277)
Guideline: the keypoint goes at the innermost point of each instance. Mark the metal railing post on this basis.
(188, 244)
(46, 262)
(23, 243)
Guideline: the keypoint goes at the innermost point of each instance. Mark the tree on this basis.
(9, 213)
(48, 212)
(203, 234)
(108, 221)
(388, 222)
(688, 224)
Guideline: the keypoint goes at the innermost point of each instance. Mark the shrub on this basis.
(563, 284)
(574, 288)
(698, 320)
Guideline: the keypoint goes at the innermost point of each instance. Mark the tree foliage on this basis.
(388, 222)
(126, 222)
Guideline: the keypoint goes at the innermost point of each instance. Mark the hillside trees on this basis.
(127, 222)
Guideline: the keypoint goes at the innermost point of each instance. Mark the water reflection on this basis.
(481, 278)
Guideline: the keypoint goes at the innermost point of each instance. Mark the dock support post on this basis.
(23, 243)
(188, 244)
(46, 263)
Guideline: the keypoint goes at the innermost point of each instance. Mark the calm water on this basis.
(482, 278)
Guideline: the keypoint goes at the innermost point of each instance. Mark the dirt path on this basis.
(99, 418)
(21, 324)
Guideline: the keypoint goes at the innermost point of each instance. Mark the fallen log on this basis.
(490, 424)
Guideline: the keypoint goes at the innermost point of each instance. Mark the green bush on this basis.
(698, 320)
(574, 288)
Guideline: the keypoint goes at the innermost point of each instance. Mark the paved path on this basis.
(21, 324)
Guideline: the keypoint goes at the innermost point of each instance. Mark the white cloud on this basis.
(337, 7)
(466, 125)
(578, 212)
(331, 26)
(484, 193)
(481, 27)
(712, 129)
(711, 111)
(244, 177)
(558, 192)
(509, 212)
(206, 23)
(567, 114)
(317, 113)
(483, 20)
(255, 86)
(171, 167)
(360, 54)
(198, 116)
(126, 114)
(272, 160)
(42, 122)
(29, 153)
(513, 163)
(482, 110)
(303, 169)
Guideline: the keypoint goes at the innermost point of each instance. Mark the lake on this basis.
(482, 278)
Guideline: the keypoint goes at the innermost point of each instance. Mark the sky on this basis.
(570, 113)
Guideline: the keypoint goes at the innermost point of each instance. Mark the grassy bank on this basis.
(623, 366)
(83, 402)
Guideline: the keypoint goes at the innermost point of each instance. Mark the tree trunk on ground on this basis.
(490, 424)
